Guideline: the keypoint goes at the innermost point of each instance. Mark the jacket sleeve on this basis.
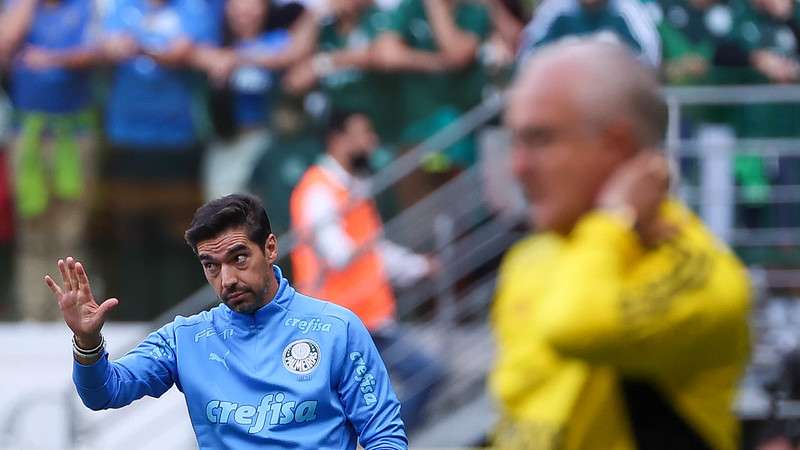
(330, 240)
(367, 396)
(523, 362)
(149, 369)
(683, 307)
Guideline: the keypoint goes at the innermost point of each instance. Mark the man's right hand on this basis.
(641, 185)
(78, 306)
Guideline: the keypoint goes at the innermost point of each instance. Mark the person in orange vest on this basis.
(343, 257)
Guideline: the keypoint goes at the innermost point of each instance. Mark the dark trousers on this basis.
(415, 375)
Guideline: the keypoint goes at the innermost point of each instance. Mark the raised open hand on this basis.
(80, 310)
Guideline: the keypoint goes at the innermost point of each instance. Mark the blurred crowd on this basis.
(125, 114)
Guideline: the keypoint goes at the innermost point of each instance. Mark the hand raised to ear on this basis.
(640, 185)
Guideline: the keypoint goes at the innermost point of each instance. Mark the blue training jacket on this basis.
(299, 373)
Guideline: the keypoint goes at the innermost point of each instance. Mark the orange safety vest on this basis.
(362, 286)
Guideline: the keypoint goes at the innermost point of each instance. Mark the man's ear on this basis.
(271, 248)
(620, 138)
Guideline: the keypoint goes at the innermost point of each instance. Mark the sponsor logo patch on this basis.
(305, 326)
(301, 356)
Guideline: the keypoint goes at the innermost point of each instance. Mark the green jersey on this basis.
(624, 20)
(355, 89)
(758, 31)
(689, 31)
(585, 22)
(424, 95)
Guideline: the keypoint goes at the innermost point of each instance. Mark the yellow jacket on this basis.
(600, 339)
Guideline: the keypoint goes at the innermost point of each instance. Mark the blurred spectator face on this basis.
(559, 154)
(354, 143)
(361, 134)
(347, 8)
(246, 17)
(779, 9)
(361, 143)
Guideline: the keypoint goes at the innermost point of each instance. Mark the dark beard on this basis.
(361, 165)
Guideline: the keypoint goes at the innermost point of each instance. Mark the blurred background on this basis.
(119, 117)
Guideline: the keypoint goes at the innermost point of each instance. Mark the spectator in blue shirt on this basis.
(151, 100)
(47, 46)
(245, 77)
(154, 127)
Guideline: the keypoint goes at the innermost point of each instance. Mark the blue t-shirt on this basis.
(151, 106)
(62, 26)
(217, 22)
(255, 88)
(299, 373)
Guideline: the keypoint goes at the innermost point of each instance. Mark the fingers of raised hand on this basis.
(62, 267)
(65, 298)
(53, 286)
(72, 273)
(107, 306)
(83, 279)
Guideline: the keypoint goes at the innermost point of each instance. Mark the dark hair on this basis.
(278, 17)
(235, 210)
(515, 8)
(337, 121)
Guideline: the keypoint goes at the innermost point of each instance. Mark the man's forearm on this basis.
(302, 45)
(278, 61)
(457, 48)
(179, 55)
(509, 28)
(81, 58)
(444, 28)
(422, 61)
(359, 59)
(392, 54)
(13, 26)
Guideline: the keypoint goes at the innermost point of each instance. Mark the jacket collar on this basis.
(279, 303)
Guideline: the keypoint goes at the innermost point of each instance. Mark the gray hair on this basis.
(613, 84)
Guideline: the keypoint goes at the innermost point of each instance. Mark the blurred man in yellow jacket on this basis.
(621, 324)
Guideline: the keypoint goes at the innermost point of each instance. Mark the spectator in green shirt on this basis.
(769, 30)
(698, 49)
(343, 66)
(626, 21)
(435, 44)
(498, 54)
(434, 47)
(693, 34)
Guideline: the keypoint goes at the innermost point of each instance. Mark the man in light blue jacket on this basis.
(267, 368)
